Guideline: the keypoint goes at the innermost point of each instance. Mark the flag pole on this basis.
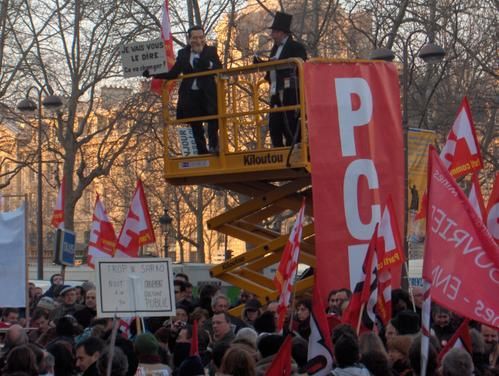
(26, 266)
(409, 285)
(292, 303)
(362, 308)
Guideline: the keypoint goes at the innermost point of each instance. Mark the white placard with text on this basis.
(134, 287)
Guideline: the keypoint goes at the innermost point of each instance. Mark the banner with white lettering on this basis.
(461, 258)
(356, 147)
(134, 287)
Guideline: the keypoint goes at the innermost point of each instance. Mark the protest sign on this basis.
(134, 287)
(356, 147)
(138, 57)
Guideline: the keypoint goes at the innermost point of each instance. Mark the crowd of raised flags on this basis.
(371, 296)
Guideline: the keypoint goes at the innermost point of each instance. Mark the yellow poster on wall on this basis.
(418, 141)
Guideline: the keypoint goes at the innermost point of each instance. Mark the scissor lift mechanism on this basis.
(273, 187)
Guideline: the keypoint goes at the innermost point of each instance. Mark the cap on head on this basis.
(66, 289)
(282, 22)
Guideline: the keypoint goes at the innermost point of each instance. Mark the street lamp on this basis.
(28, 105)
(431, 53)
(165, 221)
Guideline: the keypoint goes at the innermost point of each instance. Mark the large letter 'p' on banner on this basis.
(356, 146)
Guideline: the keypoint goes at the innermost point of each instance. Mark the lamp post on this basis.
(431, 53)
(165, 220)
(28, 105)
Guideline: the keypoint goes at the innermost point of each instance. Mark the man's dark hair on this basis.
(225, 314)
(38, 313)
(346, 351)
(189, 31)
(91, 345)
(9, 310)
(182, 275)
(65, 326)
(265, 323)
(340, 330)
(346, 291)
(181, 285)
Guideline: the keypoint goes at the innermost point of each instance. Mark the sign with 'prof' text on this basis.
(138, 57)
(134, 287)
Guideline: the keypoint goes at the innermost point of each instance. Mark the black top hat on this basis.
(282, 22)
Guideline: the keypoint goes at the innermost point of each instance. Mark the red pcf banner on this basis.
(356, 147)
(461, 258)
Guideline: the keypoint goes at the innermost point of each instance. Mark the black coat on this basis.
(208, 60)
(290, 49)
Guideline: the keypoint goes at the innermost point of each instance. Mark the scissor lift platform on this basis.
(274, 180)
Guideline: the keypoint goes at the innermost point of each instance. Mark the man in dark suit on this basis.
(284, 82)
(197, 96)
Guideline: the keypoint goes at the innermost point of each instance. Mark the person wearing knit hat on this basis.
(398, 352)
(251, 311)
(147, 350)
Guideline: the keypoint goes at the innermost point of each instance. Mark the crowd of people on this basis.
(63, 336)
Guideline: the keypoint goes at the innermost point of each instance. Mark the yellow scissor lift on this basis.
(273, 179)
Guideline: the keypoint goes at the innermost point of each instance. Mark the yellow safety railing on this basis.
(243, 110)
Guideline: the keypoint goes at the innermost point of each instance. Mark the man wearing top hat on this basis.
(284, 82)
(197, 96)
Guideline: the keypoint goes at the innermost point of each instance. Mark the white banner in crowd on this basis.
(134, 287)
(13, 258)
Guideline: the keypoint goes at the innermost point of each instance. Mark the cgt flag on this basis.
(286, 272)
(102, 242)
(58, 213)
(461, 152)
(461, 259)
(137, 229)
(320, 346)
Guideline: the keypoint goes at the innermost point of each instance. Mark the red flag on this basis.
(102, 242)
(492, 218)
(475, 196)
(365, 291)
(461, 258)
(460, 339)
(281, 364)
(58, 213)
(194, 350)
(286, 272)
(356, 144)
(166, 36)
(390, 253)
(137, 229)
(320, 346)
(461, 152)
